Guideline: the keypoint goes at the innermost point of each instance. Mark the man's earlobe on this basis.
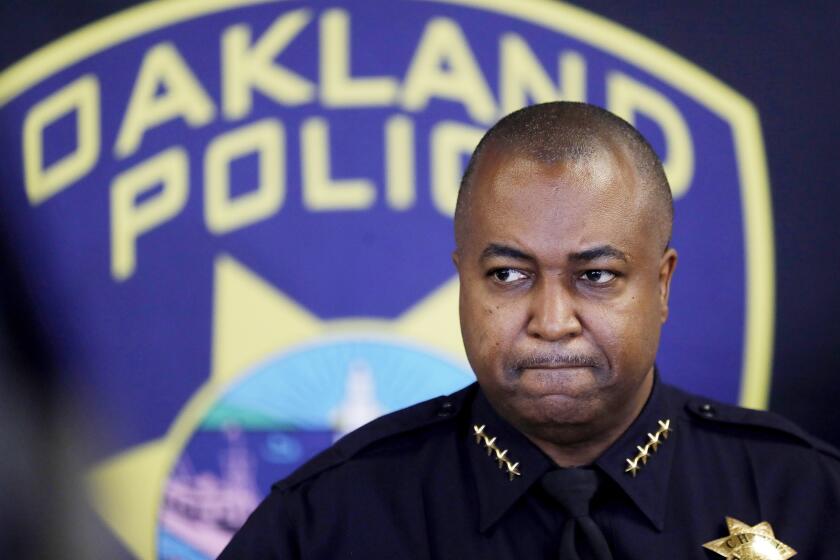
(666, 273)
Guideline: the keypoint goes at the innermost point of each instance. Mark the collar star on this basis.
(645, 451)
(755, 543)
(654, 441)
(632, 466)
(502, 459)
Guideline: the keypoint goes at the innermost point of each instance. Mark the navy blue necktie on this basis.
(573, 489)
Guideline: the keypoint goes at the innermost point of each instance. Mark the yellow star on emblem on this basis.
(750, 543)
(250, 325)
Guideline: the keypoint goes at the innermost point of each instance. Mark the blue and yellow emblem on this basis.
(239, 215)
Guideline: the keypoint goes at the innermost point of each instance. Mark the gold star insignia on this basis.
(665, 428)
(513, 471)
(490, 443)
(500, 457)
(750, 543)
(478, 432)
(501, 454)
(645, 452)
(633, 466)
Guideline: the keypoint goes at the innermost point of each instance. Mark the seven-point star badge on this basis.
(750, 543)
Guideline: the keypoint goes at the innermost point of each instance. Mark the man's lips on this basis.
(556, 366)
(557, 361)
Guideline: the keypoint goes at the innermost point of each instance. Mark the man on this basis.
(569, 446)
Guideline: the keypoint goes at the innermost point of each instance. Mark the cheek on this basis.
(629, 333)
(486, 328)
(489, 326)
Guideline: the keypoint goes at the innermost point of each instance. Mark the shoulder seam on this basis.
(721, 413)
(432, 411)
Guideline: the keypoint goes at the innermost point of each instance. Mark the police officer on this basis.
(570, 445)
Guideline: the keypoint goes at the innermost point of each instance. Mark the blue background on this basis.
(779, 55)
(146, 339)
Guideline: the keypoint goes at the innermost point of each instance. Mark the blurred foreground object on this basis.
(43, 512)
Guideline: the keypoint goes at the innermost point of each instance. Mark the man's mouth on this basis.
(557, 361)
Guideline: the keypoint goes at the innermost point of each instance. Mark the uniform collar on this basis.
(648, 490)
(497, 493)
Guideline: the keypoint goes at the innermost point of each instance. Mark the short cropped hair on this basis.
(565, 130)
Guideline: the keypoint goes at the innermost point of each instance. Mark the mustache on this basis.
(555, 360)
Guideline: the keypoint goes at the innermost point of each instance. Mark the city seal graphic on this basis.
(239, 214)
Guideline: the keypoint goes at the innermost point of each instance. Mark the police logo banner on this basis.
(237, 223)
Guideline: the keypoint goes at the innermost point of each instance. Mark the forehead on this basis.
(556, 206)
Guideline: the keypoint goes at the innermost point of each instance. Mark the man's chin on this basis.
(553, 411)
(564, 409)
(563, 385)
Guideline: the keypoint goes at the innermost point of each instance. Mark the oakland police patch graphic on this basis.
(240, 216)
(277, 417)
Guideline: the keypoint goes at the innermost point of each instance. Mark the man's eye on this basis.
(507, 275)
(599, 276)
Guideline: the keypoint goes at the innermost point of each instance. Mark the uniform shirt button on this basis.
(707, 410)
(445, 409)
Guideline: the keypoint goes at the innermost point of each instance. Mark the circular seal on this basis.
(278, 416)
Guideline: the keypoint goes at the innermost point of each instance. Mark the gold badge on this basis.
(750, 543)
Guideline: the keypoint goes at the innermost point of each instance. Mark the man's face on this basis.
(564, 287)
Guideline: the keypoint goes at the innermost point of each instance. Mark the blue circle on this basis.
(303, 389)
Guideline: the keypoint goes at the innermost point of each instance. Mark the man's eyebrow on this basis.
(600, 252)
(497, 250)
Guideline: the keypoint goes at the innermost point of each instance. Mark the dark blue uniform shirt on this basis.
(419, 484)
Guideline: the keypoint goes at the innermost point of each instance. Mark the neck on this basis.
(586, 449)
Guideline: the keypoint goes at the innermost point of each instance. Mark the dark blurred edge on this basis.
(44, 511)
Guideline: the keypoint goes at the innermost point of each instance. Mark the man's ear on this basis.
(456, 260)
(666, 272)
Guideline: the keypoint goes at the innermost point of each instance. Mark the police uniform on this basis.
(449, 478)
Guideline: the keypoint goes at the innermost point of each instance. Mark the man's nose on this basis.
(553, 314)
